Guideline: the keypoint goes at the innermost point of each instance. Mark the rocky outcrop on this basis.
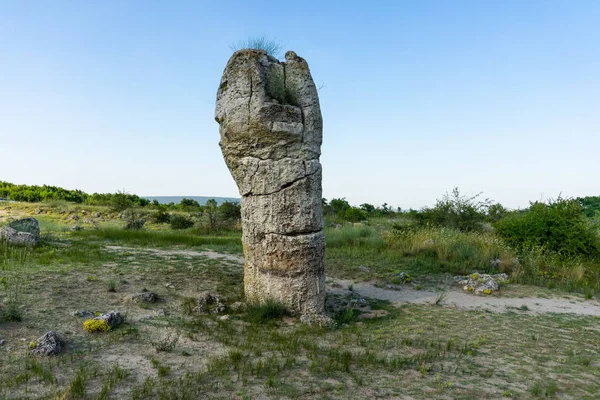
(271, 132)
(49, 344)
(24, 231)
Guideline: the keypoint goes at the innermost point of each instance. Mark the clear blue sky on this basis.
(499, 97)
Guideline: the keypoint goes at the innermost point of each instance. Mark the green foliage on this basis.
(348, 316)
(180, 222)
(264, 312)
(34, 194)
(272, 47)
(134, 220)
(161, 216)
(189, 204)
(355, 215)
(465, 213)
(121, 201)
(557, 226)
(590, 205)
(230, 211)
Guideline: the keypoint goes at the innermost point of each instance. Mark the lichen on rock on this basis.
(271, 132)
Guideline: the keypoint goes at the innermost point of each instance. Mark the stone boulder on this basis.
(481, 283)
(112, 318)
(49, 344)
(271, 132)
(24, 231)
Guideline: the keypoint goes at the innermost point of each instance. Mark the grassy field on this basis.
(165, 350)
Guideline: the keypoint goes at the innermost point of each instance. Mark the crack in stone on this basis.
(284, 186)
(250, 101)
(294, 234)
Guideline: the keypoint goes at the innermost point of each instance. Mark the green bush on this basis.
(181, 222)
(161, 216)
(558, 226)
(355, 215)
(455, 211)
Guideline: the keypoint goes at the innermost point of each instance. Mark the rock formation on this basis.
(271, 133)
(24, 231)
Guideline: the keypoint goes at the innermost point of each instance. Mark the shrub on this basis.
(161, 216)
(355, 215)
(180, 222)
(272, 47)
(455, 211)
(557, 226)
(459, 252)
(93, 325)
(133, 220)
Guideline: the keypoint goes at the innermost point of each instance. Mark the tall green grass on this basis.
(160, 238)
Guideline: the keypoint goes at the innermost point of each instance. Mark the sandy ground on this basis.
(459, 299)
(452, 298)
(213, 255)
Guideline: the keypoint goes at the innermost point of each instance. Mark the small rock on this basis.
(148, 297)
(76, 228)
(224, 317)
(209, 303)
(317, 319)
(169, 286)
(47, 345)
(96, 215)
(73, 217)
(364, 269)
(112, 318)
(38, 211)
(82, 313)
(237, 306)
(2, 342)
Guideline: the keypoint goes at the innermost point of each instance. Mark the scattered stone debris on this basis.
(238, 306)
(209, 303)
(82, 313)
(148, 297)
(48, 344)
(24, 231)
(73, 217)
(317, 319)
(401, 278)
(364, 269)
(96, 215)
(112, 318)
(155, 314)
(481, 283)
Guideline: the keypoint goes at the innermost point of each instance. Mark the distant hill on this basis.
(200, 199)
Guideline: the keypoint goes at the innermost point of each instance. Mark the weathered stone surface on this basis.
(481, 283)
(148, 297)
(24, 231)
(271, 133)
(49, 344)
(112, 318)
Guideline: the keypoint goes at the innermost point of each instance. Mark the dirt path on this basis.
(452, 298)
(458, 299)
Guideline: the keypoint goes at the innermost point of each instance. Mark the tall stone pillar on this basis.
(271, 132)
